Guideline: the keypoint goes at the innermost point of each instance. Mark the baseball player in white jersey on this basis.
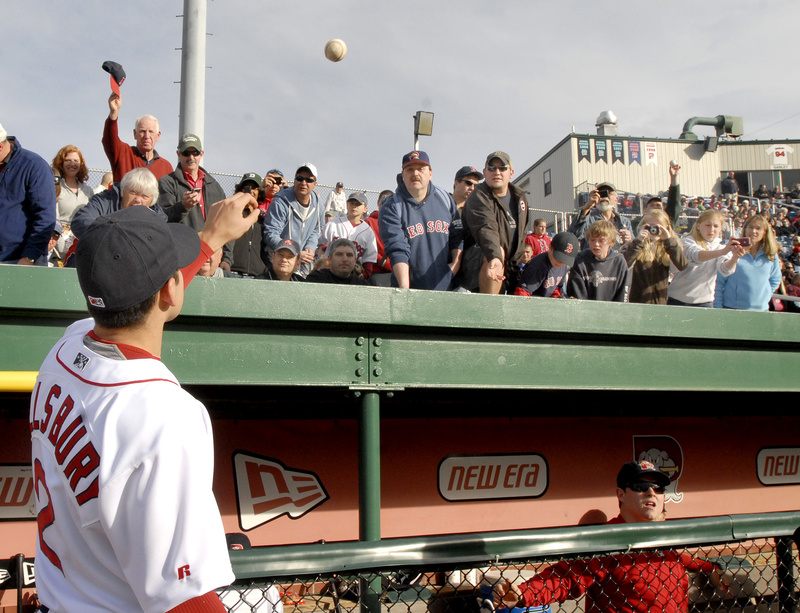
(353, 228)
(122, 456)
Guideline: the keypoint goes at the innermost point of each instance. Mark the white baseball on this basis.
(335, 50)
(673, 162)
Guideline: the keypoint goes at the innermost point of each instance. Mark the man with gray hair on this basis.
(124, 157)
(138, 188)
(27, 203)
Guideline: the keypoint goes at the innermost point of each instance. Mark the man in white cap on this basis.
(296, 214)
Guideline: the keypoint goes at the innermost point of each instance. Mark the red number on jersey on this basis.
(46, 516)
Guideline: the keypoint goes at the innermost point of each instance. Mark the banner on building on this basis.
(634, 153)
(583, 149)
(600, 151)
(779, 156)
(650, 154)
(617, 152)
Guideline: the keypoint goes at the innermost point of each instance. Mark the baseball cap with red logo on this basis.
(565, 247)
(290, 245)
(416, 156)
(633, 471)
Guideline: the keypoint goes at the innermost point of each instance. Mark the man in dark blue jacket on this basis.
(420, 228)
(27, 203)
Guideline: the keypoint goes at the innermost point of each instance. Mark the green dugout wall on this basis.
(289, 334)
(397, 362)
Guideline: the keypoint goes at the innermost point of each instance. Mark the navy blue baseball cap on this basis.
(467, 171)
(127, 256)
(416, 156)
(633, 471)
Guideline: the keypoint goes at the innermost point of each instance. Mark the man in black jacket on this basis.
(188, 191)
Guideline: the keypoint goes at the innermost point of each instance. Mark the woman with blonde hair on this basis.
(753, 273)
(649, 257)
(694, 285)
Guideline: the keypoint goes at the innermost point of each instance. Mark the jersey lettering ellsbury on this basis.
(105, 429)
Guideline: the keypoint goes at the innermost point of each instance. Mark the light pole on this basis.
(423, 126)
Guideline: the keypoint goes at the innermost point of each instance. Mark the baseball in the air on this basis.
(673, 162)
(335, 50)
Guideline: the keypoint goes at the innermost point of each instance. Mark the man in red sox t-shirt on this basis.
(624, 583)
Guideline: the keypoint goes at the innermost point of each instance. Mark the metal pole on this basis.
(193, 69)
(369, 490)
(785, 563)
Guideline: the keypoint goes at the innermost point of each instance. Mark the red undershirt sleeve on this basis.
(207, 603)
(190, 271)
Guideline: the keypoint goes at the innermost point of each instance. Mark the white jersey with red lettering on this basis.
(123, 464)
(361, 235)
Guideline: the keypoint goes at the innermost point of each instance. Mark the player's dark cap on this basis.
(289, 244)
(416, 156)
(468, 171)
(359, 197)
(605, 185)
(633, 471)
(565, 247)
(127, 256)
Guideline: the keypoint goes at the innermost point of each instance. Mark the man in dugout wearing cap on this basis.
(625, 583)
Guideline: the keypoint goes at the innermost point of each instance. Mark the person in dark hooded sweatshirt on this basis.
(419, 226)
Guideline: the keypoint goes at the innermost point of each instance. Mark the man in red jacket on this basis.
(622, 583)
(124, 157)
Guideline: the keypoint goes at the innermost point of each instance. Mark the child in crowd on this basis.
(756, 270)
(649, 255)
(545, 274)
(694, 285)
(527, 256)
(600, 273)
(538, 240)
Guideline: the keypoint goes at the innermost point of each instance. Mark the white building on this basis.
(640, 165)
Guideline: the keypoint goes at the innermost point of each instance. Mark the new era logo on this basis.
(96, 302)
(267, 489)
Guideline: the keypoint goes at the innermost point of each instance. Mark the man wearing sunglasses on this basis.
(186, 193)
(467, 179)
(626, 583)
(495, 226)
(296, 213)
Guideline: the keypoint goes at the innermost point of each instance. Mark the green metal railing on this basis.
(443, 573)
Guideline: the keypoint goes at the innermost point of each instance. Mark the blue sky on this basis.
(516, 77)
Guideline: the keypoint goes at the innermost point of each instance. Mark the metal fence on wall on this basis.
(744, 574)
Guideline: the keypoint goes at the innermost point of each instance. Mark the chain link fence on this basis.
(748, 575)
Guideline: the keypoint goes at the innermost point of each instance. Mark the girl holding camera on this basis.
(649, 256)
(755, 266)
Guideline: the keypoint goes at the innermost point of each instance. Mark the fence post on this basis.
(785, 569)
(369, 490)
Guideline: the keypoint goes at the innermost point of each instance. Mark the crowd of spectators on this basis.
(479, 237)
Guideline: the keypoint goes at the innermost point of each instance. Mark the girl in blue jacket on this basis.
(756, 270)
